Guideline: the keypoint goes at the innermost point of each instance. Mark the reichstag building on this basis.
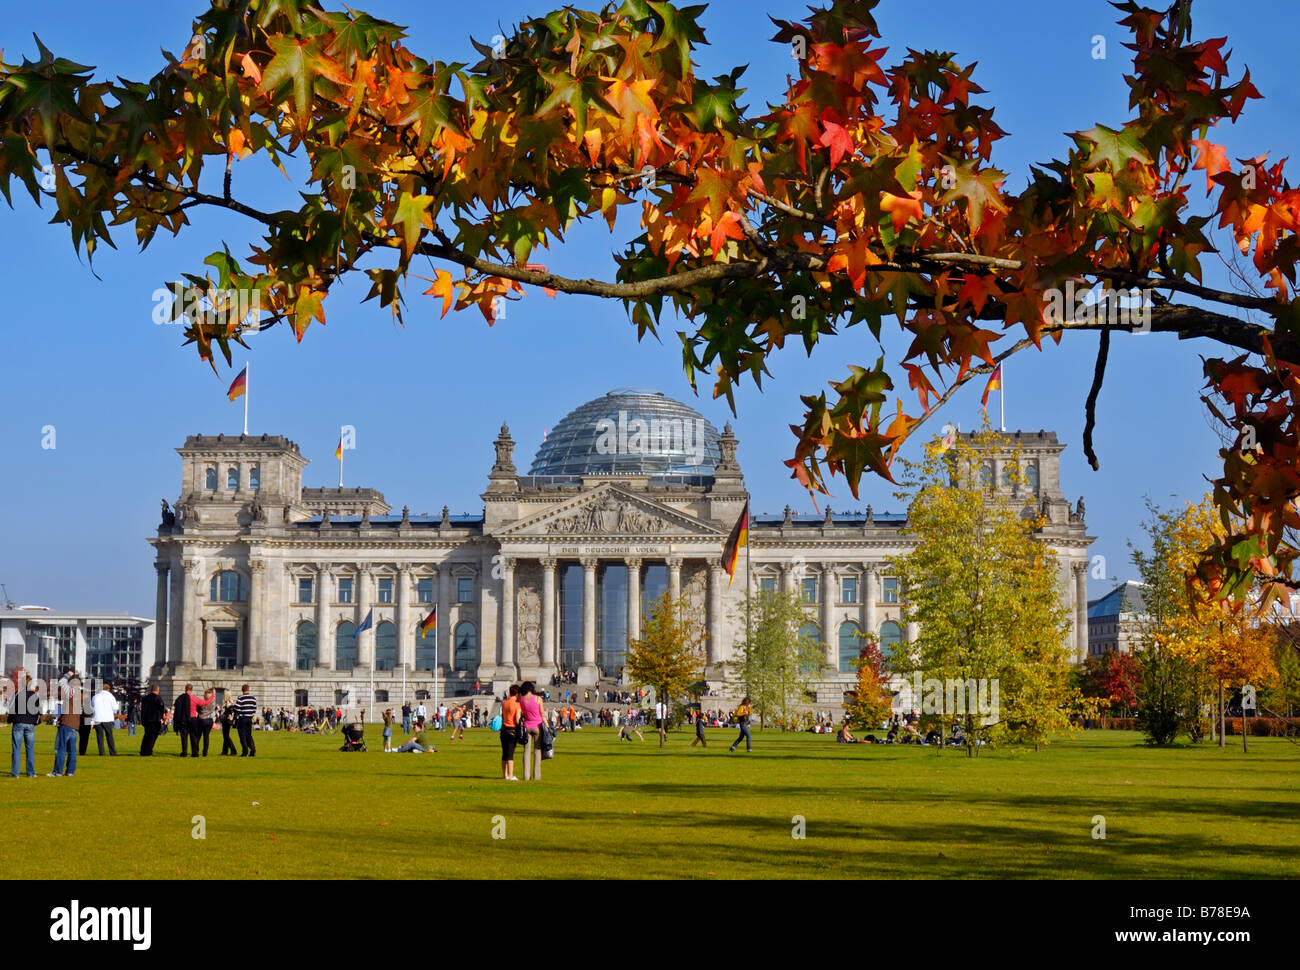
(261, 580)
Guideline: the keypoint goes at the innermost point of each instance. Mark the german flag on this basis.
(240, 385)
(994, 384)
(338, 452)
(739, 537)
(429, 623)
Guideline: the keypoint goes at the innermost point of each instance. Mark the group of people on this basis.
(193, 717)
(523, 720)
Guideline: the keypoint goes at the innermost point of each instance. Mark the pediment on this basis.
(608, 510)
(220, 613)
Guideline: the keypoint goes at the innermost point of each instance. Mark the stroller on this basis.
(352, 737)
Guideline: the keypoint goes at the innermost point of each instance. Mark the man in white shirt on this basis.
(105, 707)
(421, 713)
(442, 717)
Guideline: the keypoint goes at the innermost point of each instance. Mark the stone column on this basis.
(365, 641)
(160, 639)
(443, 630)
(717, 590)
(675, 578)
(405, 640)
(176, 613)
(324, 642)
(548, 614)
(192, 606)
(256, 650)
(633, 598)
(506, 622)
(588, 672)
(869, 598)
(830, 636)
(1081, 610)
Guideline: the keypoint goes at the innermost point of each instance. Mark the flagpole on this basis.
(340, 457)
(247, 372)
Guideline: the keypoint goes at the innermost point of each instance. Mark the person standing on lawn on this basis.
(24, 712)
(65, 741)
(388, 728)
(152, 710)
(227, 725)
(201, 721)
(245, 711)
(181, 718)
(510, 715)
(699, 731)
(105, 708)
(534, 717)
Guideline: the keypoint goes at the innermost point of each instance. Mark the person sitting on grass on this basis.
(418, 743)
(846, 736)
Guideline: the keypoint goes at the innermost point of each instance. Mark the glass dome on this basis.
(630, 431)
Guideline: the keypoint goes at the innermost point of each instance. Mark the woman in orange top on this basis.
(510, 715)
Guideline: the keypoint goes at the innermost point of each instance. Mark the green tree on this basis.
(870, 701)
(984, 591)
(669, 656)
(778, 661)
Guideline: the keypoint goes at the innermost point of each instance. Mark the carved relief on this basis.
(610, 516)
(528, 624)
(695, 590)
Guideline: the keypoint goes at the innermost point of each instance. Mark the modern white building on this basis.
(631, 494)
(105, 646)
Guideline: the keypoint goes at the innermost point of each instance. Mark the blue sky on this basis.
(82, 354)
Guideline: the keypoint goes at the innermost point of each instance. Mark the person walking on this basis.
(245, 711)
(227, 725)
(65, 740)
(510, 715)
(181, 718)
(534, 717)
(743, 713)
(388, 729)
(152, 710)
(87, 724)
(699, 731)
(201, 721)
(132, 715)
(24, 711)
(105, 708)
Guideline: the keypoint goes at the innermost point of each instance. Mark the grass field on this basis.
(302, 809)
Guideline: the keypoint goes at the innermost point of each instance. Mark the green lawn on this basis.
(607, 808)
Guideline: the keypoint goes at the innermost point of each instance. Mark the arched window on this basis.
(385, 646)
(850, 645)
(1031, 476)
(810, 634)
(232, 478)
(210, 479)
(381, 697)
(345, 646)
(306, 651)
(255, 477)
(466, 646)
(425, 648)
(228, 586)
(986, 474)
(1008, 473)
(891, 635)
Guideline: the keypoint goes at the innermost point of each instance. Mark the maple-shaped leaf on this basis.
(412, 216)
(1211, 157)
(979, 189)
(1111, 147)
(837, 138)
(443, 287)
(901, 208)
(297, 62)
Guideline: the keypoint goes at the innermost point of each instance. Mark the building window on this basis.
(891, 635)
(850, 645)
(57, 652)
(421, 695)
(889, 586)
(305, 591)
(849, 589)
(113, 652)
(227, 649)
(465, 590)
(255, 477)
(1031, 476)
(345, 589)
(767, 585)
(386, 589)
(426, 649)
(986, 474)
(1008, 474)
(809, 590)
(466, 646)
(809, 634)
(228, 586)
(210, 479)
(306, 650)
(385, 646)
(232, 478)
(341, 698)
(300, 698)
(424, 590)
(345, 646)
(381, 697)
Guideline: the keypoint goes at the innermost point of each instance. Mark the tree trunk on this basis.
(1223, 723)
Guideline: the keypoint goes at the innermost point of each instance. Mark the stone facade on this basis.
(556, 570)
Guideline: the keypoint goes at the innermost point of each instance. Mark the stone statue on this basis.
(365, 517)
(325, 518)
(445, 522)
(870, 516)
(256, 511)
(787, 520)
(168, 516)
(406, 516)
(1080, 508)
